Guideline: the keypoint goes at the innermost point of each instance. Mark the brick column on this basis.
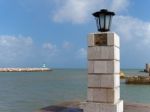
(103, 93)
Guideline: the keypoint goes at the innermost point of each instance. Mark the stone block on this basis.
(117, 80)
(94, 80)
(90, 66)
(104, 81)
(102, 66)
(103, 52)
(109, 81)
(97, 95)
(92, 107)
(118, 107)
(112, 38)
(112, 67)
(91, 40)
(117, 67)
(103, 95)
(113, 95)
(117, 53)
(90, 94)
(103, 107)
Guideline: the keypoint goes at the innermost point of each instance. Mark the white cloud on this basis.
(7, 40)
(132, 30)
(50, 50)
(49, 46)
(74, 10)
(119, 5)
(20, 51)
(67, 45)
(79, 11)
(14, 49)
(135, 40)
(81, 53)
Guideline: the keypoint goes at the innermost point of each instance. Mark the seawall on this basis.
(24, 69)
(138, 80)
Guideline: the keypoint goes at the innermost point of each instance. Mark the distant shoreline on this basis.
(24, 69)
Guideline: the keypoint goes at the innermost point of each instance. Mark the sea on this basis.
(30, 91)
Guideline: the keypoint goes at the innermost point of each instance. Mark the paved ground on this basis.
(135, 107)
(74, 107)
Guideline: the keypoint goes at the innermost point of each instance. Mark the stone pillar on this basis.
(103, 93)
(147, 67)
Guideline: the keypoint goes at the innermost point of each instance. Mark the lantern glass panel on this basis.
(97, 23)
(110, 21)
(107, 22)
(102, 21)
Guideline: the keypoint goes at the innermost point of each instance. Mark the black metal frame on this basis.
(97, 16)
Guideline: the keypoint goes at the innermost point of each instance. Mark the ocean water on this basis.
(30, 91)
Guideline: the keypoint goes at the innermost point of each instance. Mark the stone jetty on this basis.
(24, 69)
(138, 80)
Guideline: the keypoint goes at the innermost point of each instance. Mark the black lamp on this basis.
(103, 19)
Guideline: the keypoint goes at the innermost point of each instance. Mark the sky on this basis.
(54, 32)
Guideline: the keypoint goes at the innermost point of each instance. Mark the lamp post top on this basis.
(103, 11)
(103, 19)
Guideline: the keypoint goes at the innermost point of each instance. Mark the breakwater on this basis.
(138, 80)
(24, 69)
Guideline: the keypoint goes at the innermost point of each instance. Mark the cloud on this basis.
(14, 49)
(21, 51)
(81, 53)
(119, 5)
(132, 29)
(79, 11)
(49, 53)
(71, 10)
(52, 49)
(67, 45)
(135, 40)
(7, 40)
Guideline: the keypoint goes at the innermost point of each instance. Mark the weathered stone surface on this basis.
(94, 81)
(113, 95)
(89, 107)
(90, 66)
(103, 78)
(112, 38)
(103, 95)
(90, 94)
(103, 107)
(104, 81)
(103, 52)
(112, 67)
(91, 40)
(110, 81)
(97, 95)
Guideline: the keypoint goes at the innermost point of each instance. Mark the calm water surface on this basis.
(29, 91)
